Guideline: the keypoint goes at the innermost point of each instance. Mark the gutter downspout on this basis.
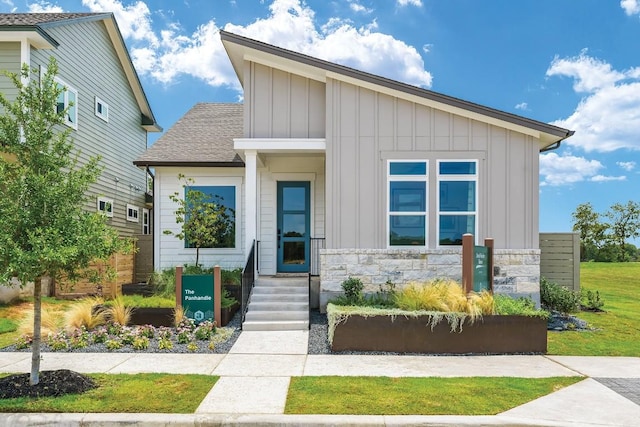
(556, 144)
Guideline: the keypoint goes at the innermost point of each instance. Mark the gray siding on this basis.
(9, 61)
(366, 128)
(282, 105)
(87, 61)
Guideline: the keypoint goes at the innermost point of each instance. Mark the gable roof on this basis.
(202, 137)
(241, 48)
(33, 27)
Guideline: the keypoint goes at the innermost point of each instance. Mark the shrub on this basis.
(227, 300)
(352, 288)
(591, 300)
(558, 298)
(505, 305)
(437, 295)
(231, 277)
(49, 323)
(163, 282)
(165, 344)
(119, 312)
(140, 343)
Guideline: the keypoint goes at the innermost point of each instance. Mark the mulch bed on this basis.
(52, 384)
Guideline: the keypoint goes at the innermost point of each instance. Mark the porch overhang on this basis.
(279, 145)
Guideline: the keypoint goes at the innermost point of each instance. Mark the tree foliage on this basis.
(44, 230)
(205, 221)
(607, 241)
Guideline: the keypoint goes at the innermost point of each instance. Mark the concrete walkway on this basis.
(255, 375)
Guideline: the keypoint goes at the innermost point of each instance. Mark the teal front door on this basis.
(293, 226)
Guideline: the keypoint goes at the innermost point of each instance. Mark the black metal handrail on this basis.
(248, 280)
(314, 264)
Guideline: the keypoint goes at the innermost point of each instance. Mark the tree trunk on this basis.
(37, 319)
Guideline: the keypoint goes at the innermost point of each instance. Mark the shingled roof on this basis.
(33, 19)
(202, 137)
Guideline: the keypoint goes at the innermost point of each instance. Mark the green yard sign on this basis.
(197, 297)
(481, 273)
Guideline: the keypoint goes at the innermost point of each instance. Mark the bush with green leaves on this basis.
(591, 300)
(352, 288)
(558, 298)
(507, 306)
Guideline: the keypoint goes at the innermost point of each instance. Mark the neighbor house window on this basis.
(407, 202)
(102, 109)
(105, 206)
(223, 197)
(132, 213)
(68, 98)
(457, 200)
(146, 229)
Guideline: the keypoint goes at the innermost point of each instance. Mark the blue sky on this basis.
(574, 63)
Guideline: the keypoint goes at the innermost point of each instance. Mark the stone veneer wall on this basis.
(516, 271)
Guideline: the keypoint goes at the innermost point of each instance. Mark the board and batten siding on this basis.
(170, 251)
(287, 168)
(87, 61)
(281, 104)
(560, 259)
(366, 128)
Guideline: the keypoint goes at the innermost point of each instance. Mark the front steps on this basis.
(278, 304)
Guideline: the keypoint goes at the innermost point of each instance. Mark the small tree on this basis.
(44, 230)
(625, 224)
(592, 232)
(206, 221)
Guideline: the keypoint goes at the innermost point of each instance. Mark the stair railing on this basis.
(248, 281)
(314, 265)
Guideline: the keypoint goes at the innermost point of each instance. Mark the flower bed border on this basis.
(403, 334)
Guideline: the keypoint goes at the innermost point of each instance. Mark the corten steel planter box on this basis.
(227, 313)
(491, 334)
(152, 316)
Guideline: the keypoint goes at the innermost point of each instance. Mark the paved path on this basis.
(255, 375)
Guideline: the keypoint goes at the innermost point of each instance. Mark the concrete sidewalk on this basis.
(255, 375)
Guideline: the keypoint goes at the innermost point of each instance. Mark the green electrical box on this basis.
(197, 297)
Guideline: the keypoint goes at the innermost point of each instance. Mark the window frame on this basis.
(131, 217)
(146, 221)
(107, 202)
(391, 214)
(456, 178)
(74, 109)
(104, 115)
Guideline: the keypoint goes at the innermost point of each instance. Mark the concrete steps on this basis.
(278, 304)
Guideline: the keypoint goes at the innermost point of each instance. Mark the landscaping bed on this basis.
(492, 334)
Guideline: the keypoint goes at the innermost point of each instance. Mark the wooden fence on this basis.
(560, 259)
(144, 257)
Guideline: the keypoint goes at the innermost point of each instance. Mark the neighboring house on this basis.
(110, 115)
(387, 177)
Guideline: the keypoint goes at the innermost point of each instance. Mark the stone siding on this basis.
(516, 271)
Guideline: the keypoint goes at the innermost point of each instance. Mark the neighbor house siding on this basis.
(9, 61)
(172, 251)
(365, 129)
(87, 61)
(282, 105)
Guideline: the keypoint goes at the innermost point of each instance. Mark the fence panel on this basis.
(560, 259)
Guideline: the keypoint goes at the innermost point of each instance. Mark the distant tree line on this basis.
(604, 237)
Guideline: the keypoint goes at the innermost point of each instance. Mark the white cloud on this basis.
(558, 170)
(602, 178)
(631, 7)
(628, 166)
(608, 116)
(43, 7)
(522, 106)
(134, 20)
(358, 8)
(417, 3)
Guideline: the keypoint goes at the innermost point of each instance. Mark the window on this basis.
(68, 99)
(146, 229)
(102, 109)
(407, 196)
(223, 198)
(105, 206)
(132, 213)
(457, 200)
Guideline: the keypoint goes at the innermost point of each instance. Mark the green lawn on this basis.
(618, 327)
(416, 396)
(158, 393)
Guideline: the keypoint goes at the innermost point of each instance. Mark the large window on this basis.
(407, 196)
(223, 199)
(457, 200)
(68, 98)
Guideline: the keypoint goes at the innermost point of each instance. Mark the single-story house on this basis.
(335, 171)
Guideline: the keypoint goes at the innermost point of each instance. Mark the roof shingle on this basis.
(203, 136)
(33, 19)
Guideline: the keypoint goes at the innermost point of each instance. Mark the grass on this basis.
(156, 393)
(416, 396)
(618, 329)
(146, 302)
(16, 312)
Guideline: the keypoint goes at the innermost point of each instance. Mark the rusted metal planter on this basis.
(152, 316)
(489, 335)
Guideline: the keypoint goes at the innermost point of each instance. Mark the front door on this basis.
(293, 226)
